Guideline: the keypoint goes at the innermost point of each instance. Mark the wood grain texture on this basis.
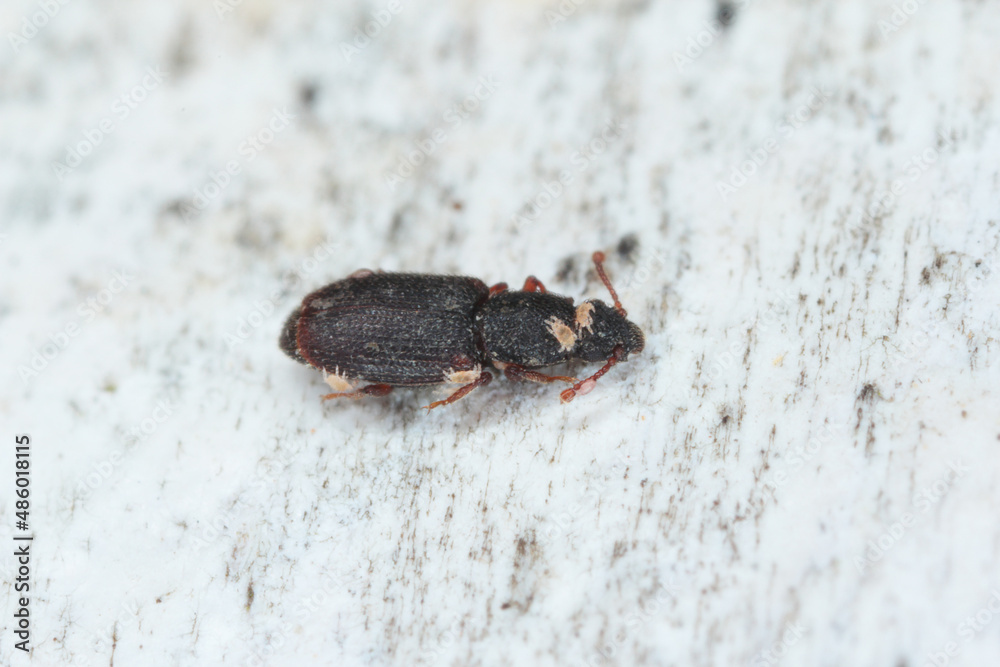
(800, 209)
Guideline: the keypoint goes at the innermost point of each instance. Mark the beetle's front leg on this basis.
(586, 386)
(519, 373)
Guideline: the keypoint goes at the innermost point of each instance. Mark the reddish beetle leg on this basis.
(586, 386)
(370, 390)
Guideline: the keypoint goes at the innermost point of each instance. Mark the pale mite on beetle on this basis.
(408, 329)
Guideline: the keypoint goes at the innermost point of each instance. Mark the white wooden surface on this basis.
(800, 469)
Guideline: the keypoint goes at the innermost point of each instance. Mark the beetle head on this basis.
(607, 330)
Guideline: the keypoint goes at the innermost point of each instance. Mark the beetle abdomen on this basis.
(392, 328)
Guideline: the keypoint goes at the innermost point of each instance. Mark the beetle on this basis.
(410, 330)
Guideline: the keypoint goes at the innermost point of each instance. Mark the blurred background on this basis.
(799, 203)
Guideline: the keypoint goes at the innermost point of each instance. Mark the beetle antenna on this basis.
(598, 258)
(586, 386)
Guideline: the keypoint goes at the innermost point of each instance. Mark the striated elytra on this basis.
(410, 329)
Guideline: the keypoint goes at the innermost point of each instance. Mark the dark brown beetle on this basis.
(410, 330)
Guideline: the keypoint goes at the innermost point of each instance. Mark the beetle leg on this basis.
(533, 284)
(518, 373)
(483, 380)
(369, 390)
(586, 386)
(499, 287)
(362, 273)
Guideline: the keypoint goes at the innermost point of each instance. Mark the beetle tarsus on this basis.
(586, 386)
(481, 381)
